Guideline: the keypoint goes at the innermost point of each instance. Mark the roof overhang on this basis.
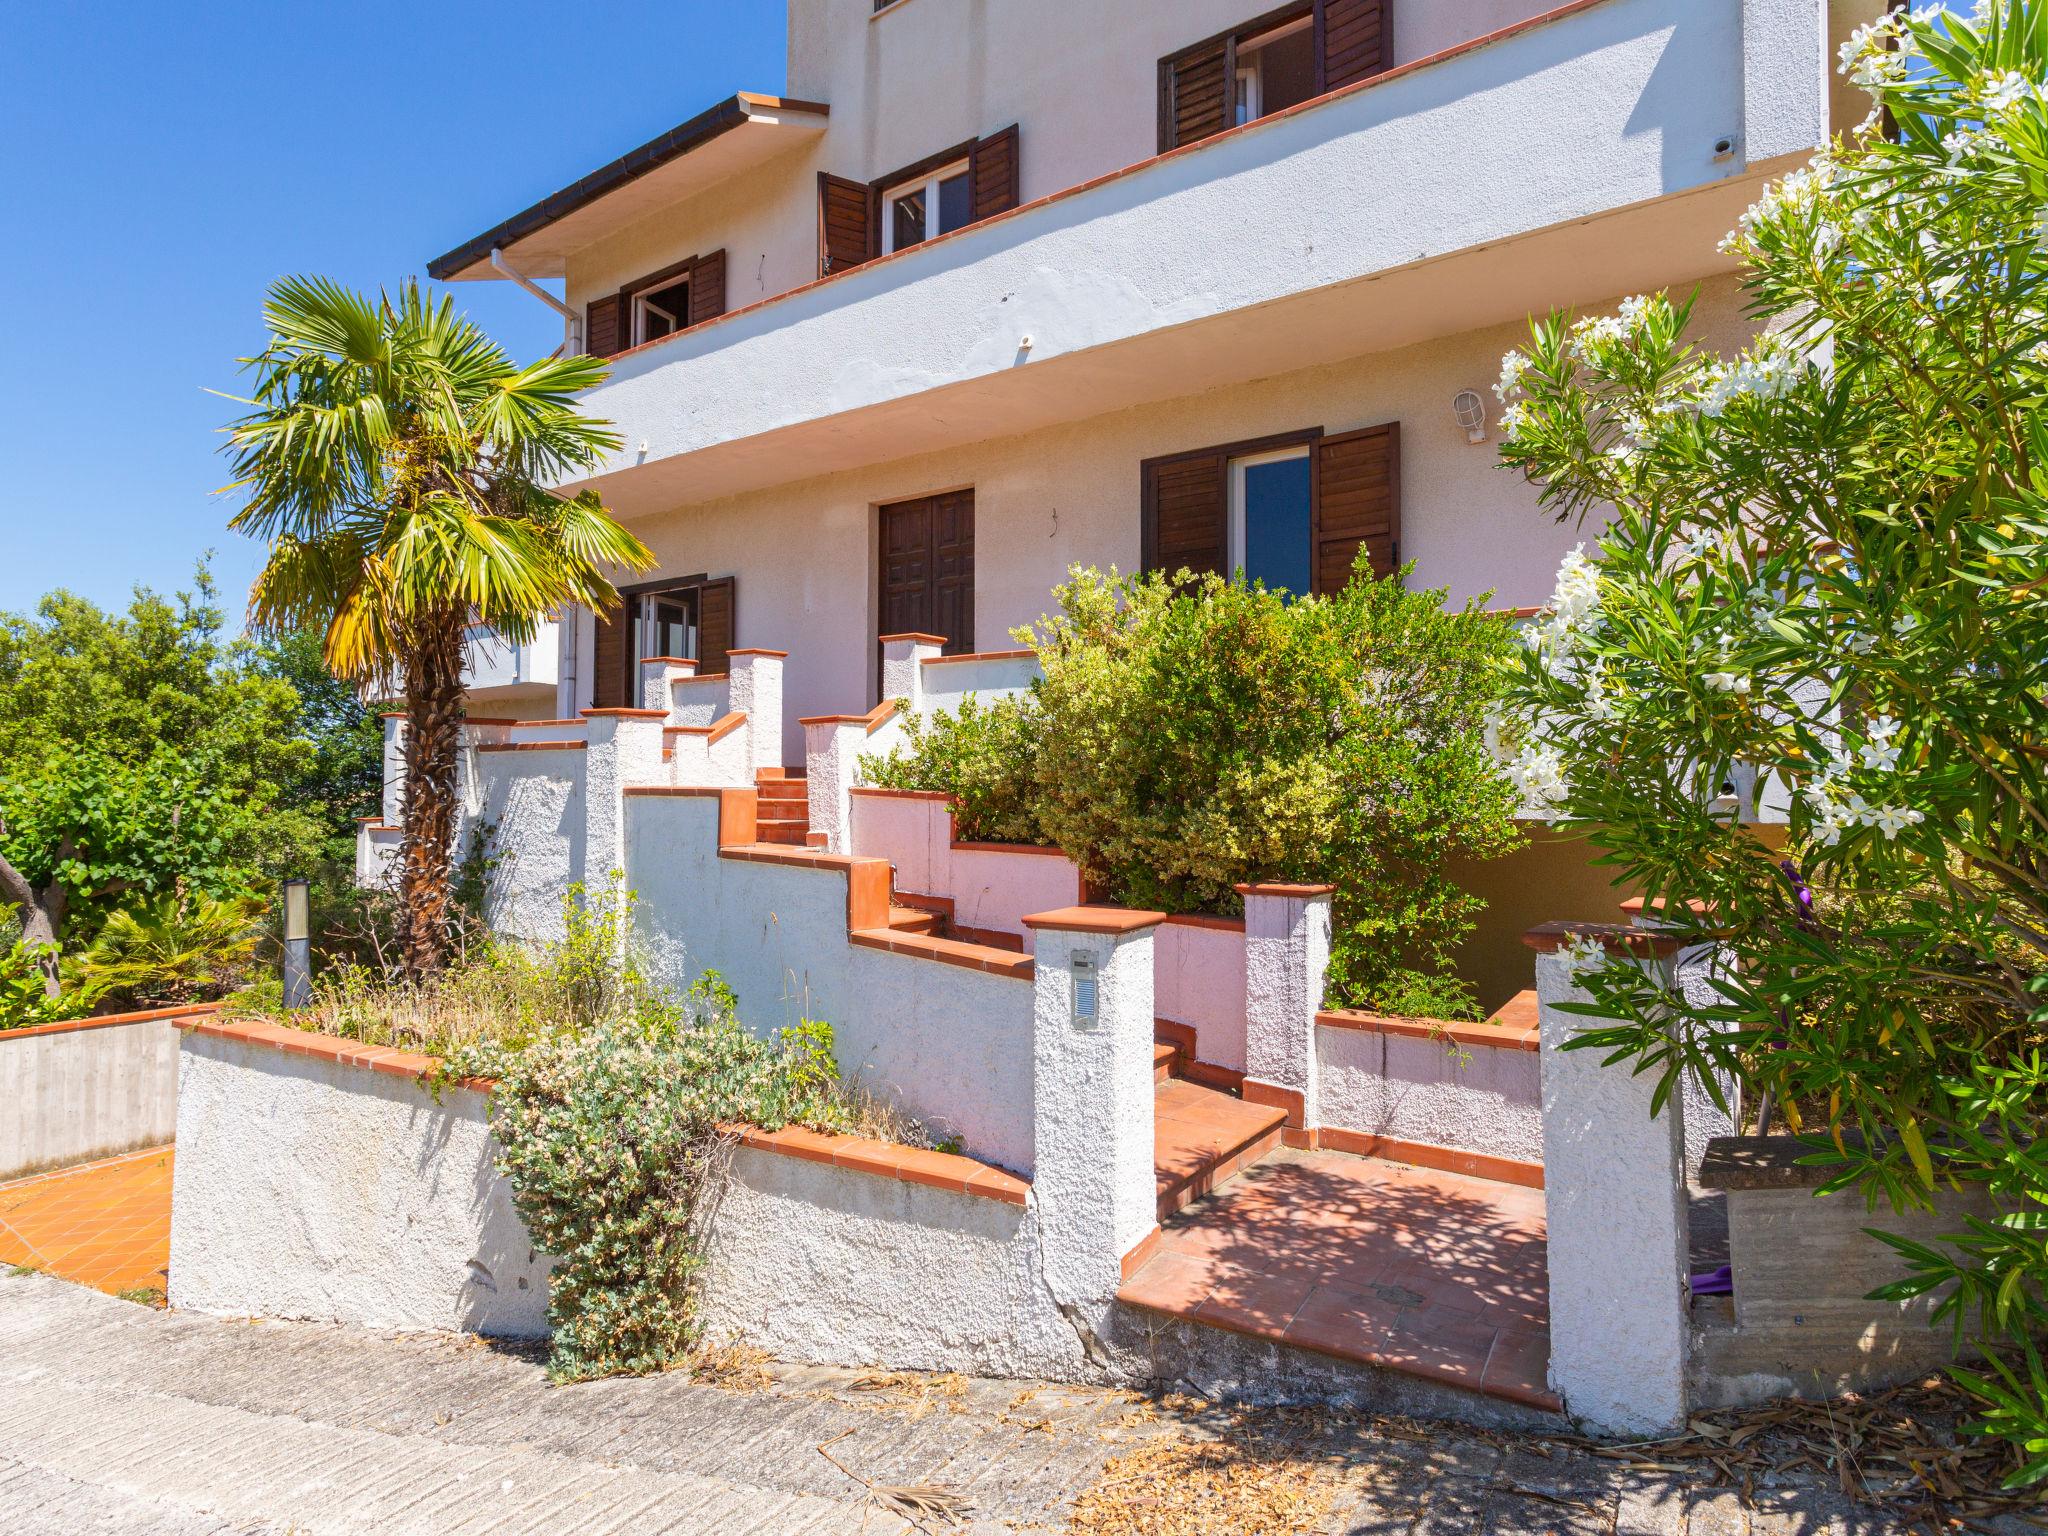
(736, 135)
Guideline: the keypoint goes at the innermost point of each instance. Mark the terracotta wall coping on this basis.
(111, 1021)
(1096, 919)
(718, 731)
(874, 719)
(754, 650)
(900, 794)
(947, 661)
(1036, 849)
(625, 714)
(534, 746)
(1495, 1033)
(1635, 906)
(911, 1165)
(1277, 888)
(668, 661)
(1616, 938)
(548, 723)
(912, 638)
(985, 958)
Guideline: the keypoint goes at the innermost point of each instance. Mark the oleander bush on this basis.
(1825, 573)
(1193, 734)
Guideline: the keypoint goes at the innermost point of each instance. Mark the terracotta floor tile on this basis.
(1171, 1282)
(105, 1224)
(1260, 1304)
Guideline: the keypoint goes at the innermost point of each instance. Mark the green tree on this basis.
(1826, 572)
(395, 461)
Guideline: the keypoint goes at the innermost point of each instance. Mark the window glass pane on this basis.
(671, 628)
(1276, 524)
(664, 311)
(907, 216)
(956, 203)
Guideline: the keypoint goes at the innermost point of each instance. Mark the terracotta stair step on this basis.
(916, 920)
(1165, 1061)
(793, 835)
(1201, 1139)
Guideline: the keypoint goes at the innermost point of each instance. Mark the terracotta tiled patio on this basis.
(104, 1224)
(1431, 1274)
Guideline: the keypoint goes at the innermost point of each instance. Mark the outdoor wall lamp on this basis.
(298, 945)
(1471, 414)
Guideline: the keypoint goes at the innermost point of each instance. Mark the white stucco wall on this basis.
(817, 1263)
(1199, 980)
(1474, 1098)
(535, 802)
(951, 1045)
(1070, 495)
(991, 889)
(71, 1094)
(305, 1188)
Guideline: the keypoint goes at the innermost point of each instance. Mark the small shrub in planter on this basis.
(1191, 735)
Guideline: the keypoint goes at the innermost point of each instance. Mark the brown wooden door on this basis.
(927, 569)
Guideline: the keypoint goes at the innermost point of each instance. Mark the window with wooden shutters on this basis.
(1194, 92)
(707, 287)
(997, 174)
(717, 626)
(1269, 64)
(1187, 513)
(665, 303)
(1354, 41)
(1358, 504)
(609, 659)
(601, 327)
(846, 224)
(696, 616)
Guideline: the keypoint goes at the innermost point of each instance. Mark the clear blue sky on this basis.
(161, 164)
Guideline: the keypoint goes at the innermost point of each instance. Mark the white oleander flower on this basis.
(1881, 756)
(1538, 772)
(1884, 727)
(1727, 682)
(1513, 419)
(1513, 368)
(1582, 957)
(1891, 820)
(2004, 91)
(1828, 830)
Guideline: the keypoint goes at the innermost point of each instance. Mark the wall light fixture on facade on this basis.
(1471, 413)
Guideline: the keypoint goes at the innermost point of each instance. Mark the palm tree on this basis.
(397, 462)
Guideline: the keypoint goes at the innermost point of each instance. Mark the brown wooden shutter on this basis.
(601, 327)
(1195, 92)
(1354, 41)
(1358, 503)
(707, 287)
(611, 659)
(717, 621)
(846, 224)
(997, 174)
(1187, 514)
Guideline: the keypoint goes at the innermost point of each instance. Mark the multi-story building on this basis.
(1002, 286)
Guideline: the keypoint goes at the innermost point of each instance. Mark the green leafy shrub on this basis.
(1192, 735)
(985, 756)
(1825, 569)
(24, 998)
(173, 948)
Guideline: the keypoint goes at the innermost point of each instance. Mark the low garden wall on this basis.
(1801, 1322)
(322, 1179)
(89, 1088)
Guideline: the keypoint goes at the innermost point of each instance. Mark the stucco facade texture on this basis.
(309, 1188)
(1473, 1097)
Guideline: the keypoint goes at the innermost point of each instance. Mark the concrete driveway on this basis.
(117, 1418)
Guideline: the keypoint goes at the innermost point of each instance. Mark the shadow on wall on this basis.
(1551, 879)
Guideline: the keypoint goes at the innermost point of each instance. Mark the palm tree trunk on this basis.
(432, 747)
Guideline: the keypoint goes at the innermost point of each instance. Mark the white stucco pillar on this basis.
(832, 748)
(624, 753)
(658, 676)
(1092, 1088)
(1614, 1189)
(1286, 957)
(757, 694)
(903, 659)
(394, 768)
